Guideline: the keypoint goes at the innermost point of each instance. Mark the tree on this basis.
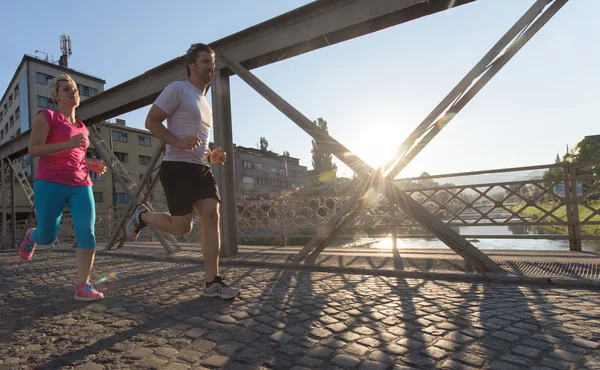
(264, 144)
(322, 159)
(286, 153)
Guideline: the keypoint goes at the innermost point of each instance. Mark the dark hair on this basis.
(192, 54)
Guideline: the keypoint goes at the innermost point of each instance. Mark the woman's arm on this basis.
(39, 134)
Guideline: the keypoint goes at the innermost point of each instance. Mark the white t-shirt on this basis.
(189, 113)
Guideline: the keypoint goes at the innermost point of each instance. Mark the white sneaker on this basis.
(219, 289)
(135, 223)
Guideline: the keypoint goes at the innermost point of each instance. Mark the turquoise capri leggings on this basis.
(50, 199)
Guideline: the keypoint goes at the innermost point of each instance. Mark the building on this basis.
(259, 173)
(134, 149)
(28, 92)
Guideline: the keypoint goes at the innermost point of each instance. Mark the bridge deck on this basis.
(552, 264)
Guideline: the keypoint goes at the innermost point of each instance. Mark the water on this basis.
(362, 240)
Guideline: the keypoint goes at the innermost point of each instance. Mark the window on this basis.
(282, 171)
(122, 157)
(293, 185)
(10, 100)
(83, 90)
(144, 140)
(261, 181)
(42, 78)
(283, 184)
(5, 108)
(98, 196)
(18, 132)
(248, 180)
(274, 182)
(11, 121)
(121, 198)
(17, 112)
(44, 102)
(145, 160)
(301, 186)
(292, 173)
(119, 136)
(248, 164)
(149, 181)
(261, 166)
(93, 92)
(94, 176)
(273, 168)
(16, 91)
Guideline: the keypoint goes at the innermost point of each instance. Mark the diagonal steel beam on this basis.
(464, 84)
(515, 38)
(454, 240)
(500, 54)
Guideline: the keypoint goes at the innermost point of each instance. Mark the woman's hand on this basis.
(97, 166)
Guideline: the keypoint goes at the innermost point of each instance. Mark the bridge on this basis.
(311, 27)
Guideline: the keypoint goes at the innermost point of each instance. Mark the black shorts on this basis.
(184, 184)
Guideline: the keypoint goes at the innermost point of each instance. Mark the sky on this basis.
(372, 91)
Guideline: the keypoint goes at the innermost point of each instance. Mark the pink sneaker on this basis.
(27, 246)
(86, 292)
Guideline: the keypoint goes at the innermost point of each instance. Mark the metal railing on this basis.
(563, 204)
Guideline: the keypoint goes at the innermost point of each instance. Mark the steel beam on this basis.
(310, 27)
(4, 218)
(13, 210)
(15, 147)
(442, 231)
(225, 175)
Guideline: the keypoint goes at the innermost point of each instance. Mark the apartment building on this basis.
(258, 173)
(28, 92)
(134, 149)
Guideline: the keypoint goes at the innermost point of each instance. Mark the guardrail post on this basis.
(572, 205)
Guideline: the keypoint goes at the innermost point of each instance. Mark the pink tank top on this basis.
(68, 167)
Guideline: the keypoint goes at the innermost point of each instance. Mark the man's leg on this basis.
(214, 286)
(175, 180)
(208, 213)
(174, 225)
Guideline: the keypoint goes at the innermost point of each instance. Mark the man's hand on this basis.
(76, 141)
(188, 142)
(97, 166)
(217, 156)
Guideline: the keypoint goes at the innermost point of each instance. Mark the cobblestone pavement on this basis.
(154, 316)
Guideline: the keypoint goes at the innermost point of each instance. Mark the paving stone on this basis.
(372, 365)
(214, 361)
(176, 366)
(585, 343)
(139, 353)
(527, 351)
(166, 352)
(310, 362)
(152, 362)
(190, 356)
(288, 319)
(345, 361)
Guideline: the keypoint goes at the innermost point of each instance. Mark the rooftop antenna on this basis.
(66, 51)
(41, 52)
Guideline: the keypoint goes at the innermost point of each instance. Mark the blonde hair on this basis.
(56, 83)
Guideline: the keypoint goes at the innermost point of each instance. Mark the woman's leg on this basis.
(49, 200)
(83, 209)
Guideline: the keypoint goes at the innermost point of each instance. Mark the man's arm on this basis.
(154, 121)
